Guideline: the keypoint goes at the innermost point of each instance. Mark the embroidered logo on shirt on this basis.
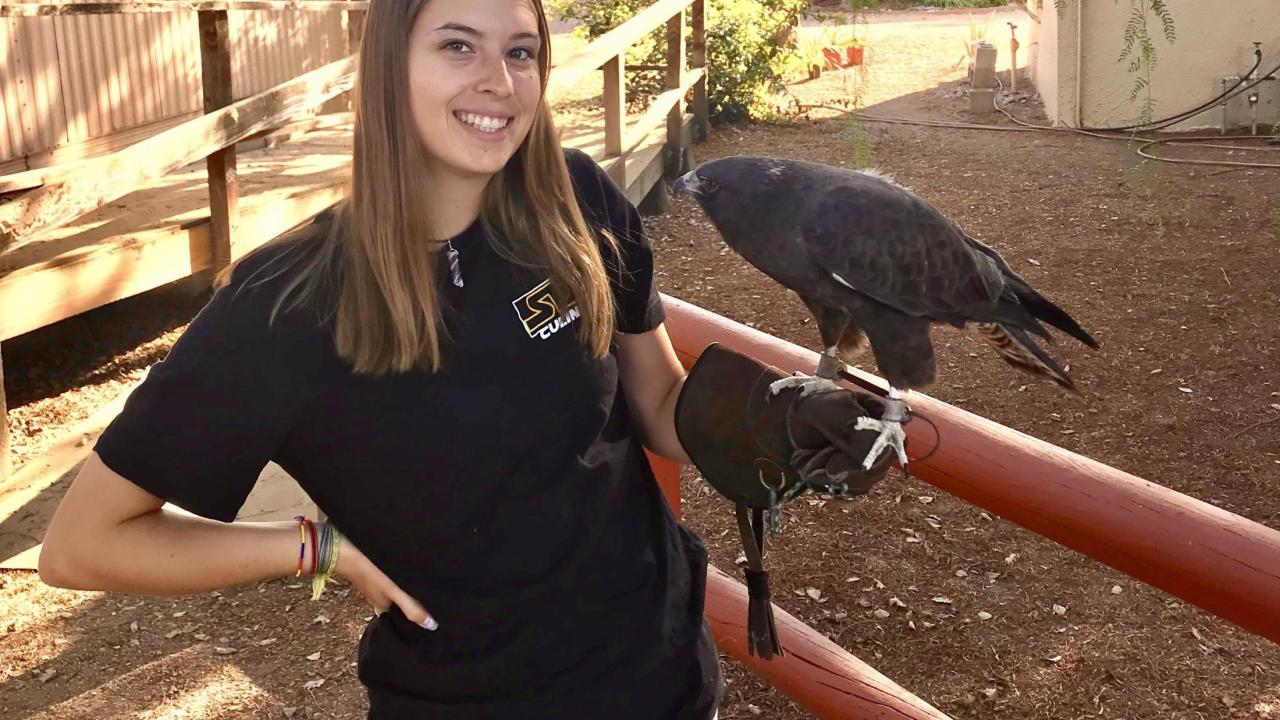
(540, 314)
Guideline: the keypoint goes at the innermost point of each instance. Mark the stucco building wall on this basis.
(1214, 40)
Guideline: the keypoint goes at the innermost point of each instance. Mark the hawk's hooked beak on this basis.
(688, 184)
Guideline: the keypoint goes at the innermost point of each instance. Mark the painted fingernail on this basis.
(430, 623)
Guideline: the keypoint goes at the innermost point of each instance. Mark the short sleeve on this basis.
(206, 420)
(638, 303)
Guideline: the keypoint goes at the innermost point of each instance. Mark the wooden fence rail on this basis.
(93, 184)
(88, 186)
(129, 7)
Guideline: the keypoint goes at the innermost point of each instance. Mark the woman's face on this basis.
(474, 82)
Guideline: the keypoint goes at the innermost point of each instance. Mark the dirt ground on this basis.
(1171, 267)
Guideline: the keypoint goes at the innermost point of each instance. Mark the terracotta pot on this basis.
(831, 58)
(854, 54)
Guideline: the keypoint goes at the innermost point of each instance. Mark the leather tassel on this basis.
(762, 634)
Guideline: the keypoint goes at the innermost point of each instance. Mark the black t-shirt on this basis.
(508, 492)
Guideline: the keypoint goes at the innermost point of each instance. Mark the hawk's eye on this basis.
(709, 185)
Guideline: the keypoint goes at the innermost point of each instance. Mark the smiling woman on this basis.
(453, 125)
(463, 366)
(505, 525)
(475, 92)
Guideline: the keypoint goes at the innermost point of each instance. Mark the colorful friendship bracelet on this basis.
(315, 545)
(326, 543)
(302, 540)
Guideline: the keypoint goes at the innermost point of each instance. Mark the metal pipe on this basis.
(1218, 561)
(1013, 58)
(1225, 100)
(1079, 62)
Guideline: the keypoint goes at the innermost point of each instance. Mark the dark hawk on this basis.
(877, 265)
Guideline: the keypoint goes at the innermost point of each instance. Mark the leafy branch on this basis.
(1139, 49)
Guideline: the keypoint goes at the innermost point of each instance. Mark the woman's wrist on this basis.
(319, 552)
(350, 561)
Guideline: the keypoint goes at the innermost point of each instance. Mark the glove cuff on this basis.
(735, 429)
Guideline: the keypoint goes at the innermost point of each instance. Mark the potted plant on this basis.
(854, 51)
(832, 55)
(812, 56)
(841, 48)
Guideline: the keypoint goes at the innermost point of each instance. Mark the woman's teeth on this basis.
(483, 123)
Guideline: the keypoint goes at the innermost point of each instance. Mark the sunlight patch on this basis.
(171, 688)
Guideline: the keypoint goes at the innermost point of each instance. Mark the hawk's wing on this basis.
(892, 246)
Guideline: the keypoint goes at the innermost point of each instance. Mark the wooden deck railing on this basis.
(608, 52)
(62, 195)
(37, 202)
(61, 198)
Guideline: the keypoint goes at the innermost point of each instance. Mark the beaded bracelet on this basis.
(302, 542)
(315, 545)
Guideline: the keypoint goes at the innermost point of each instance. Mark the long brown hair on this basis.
(373, 269)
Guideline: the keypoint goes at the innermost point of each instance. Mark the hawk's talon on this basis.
(808, 384)
(891, 436)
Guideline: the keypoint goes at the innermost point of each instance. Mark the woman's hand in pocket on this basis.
(377, 588)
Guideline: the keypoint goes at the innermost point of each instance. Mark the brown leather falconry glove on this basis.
(762, 449)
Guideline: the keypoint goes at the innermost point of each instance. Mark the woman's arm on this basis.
(109, 534)
(652, 377)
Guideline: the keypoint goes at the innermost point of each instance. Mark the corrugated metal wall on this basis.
(262, 54)
(71, 79)
(30, 90)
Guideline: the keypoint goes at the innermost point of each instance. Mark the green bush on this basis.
(745, 44)
(964, 3)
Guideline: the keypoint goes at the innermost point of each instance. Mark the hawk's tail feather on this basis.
(1043, 309)
(1019, 350)
(1033, 302)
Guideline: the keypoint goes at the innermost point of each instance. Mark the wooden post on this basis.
(677, 149)
(615, 118)
(355, 31)
(4, 429)
(224, 192)
(698, 59)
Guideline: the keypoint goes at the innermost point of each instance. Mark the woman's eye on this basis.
(522, 54)
(457, 46)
